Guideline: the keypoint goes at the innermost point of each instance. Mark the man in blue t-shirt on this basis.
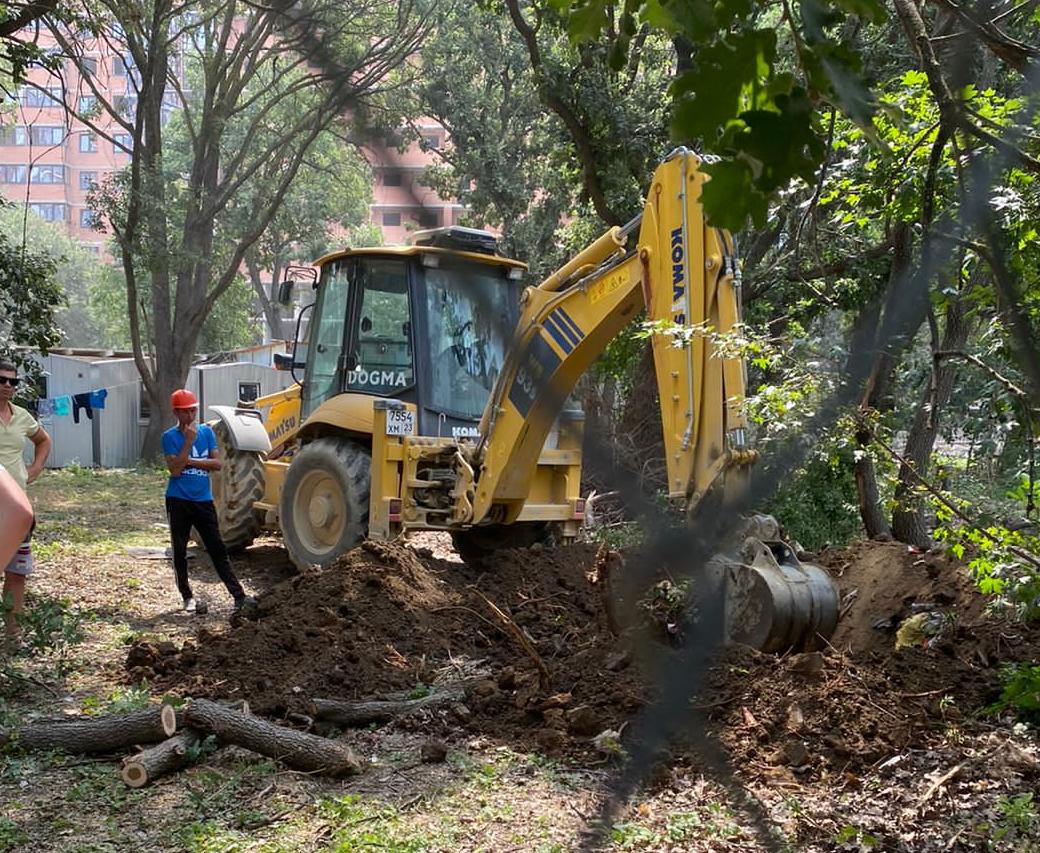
(191, 453)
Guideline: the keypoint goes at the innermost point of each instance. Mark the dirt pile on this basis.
(383, 620)
(386, 618)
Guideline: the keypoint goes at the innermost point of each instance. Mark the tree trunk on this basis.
(96, 734)
(296, 749)
(172, 754)
(353, 714)
(887, 355)
(271, 309)
(908, 521)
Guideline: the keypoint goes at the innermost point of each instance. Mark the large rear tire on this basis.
(324, 504)
(236, 487)
(479, 543)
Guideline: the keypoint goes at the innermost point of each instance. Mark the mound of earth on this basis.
(382, 620)
(387, 617)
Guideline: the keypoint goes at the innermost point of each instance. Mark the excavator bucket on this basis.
(775, 602)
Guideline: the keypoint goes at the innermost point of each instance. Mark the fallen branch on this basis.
(355, 714)
(513, 630)
(106, 733)
(172, 754)
(298, 750)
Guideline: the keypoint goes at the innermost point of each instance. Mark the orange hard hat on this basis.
(182, 398)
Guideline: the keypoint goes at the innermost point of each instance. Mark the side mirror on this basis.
(285, 361)
(285, 290)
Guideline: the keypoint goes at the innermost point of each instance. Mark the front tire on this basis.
(324, 503)
(479, 543)
(236, 487)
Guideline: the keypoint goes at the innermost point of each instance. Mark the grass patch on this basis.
(86, 512)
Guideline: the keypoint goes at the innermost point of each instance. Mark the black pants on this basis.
(201, 515)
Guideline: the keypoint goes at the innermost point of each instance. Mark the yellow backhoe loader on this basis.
(434, 398)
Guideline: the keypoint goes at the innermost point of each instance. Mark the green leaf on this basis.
(729, 198)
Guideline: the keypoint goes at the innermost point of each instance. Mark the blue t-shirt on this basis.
(193, 483)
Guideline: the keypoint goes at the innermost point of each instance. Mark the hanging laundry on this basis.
(63, 406)
(97, 398)
(45, 407)
(81, 401)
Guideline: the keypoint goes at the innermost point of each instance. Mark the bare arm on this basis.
(15, 517)
(211, 464)
(43, 443)
(178, 463)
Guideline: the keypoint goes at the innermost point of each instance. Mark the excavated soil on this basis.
(388, 617)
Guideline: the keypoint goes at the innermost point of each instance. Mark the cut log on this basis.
(355, 714)
(298, 750)
(172, 754)
(106, 733)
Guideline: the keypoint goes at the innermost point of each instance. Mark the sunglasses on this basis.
(10, 380)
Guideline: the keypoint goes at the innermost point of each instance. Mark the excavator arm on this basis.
(683, 274)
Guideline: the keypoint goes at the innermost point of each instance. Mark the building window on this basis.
(432, 141)
(392, 219)
(13, 136)
(248, 392)
(87, 180)
(48, 212)
(48, 135)
(87, 143)
(391, 179)
(12, 174)
(428, 218)
(50, 96)
(88, 65)
(122, 143)
(87, 218)
(47, 175)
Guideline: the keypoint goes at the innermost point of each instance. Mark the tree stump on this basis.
(298, 750)
(105, 733)
(355, 714)
(172, 754)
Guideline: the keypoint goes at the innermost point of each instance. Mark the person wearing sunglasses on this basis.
(191, 453)
(17, 425)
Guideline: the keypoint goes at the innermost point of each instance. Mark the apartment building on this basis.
(401, 203)
(50, 160)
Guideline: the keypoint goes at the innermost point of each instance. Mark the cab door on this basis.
(326, 361)
(381, 360)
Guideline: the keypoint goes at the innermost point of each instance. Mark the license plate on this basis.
(400, 422)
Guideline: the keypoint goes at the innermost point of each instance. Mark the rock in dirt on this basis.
(584, 721)
(809, 664)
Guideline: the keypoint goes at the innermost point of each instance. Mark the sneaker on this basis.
(190, 605)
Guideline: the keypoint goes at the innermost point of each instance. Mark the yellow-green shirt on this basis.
(12, 442)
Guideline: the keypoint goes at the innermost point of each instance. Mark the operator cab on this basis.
(428, 324)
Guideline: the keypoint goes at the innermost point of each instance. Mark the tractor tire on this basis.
(236, 487)
(479, 543)
(324, 504)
